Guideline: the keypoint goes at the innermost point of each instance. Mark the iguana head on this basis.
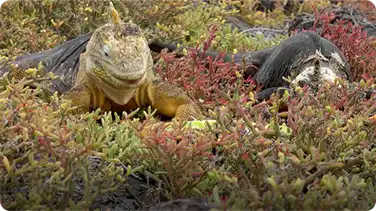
(317, 69)
(118, 55)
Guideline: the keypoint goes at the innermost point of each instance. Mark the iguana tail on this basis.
(62, 60)
(251, 59)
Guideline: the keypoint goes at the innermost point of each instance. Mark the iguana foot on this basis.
(172, 101)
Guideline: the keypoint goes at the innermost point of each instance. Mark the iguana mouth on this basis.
(133, 81)
(131, 77)
(119, 96)
(120, 78)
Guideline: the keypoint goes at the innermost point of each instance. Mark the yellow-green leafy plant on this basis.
(46, 152)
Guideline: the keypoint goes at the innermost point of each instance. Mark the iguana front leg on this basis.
(80, 96)
(172, 101)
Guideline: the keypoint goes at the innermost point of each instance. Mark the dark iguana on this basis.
(305, 57)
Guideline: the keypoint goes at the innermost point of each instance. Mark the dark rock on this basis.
(184, 204)
(346, 13)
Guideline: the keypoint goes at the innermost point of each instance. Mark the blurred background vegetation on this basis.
(41, 24)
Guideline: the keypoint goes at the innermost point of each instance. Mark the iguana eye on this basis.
(106, 50)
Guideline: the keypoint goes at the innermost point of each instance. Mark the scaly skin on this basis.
(116, 74)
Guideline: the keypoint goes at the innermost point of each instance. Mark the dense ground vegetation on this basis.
(319, 153)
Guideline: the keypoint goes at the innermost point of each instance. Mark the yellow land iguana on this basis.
(116, 74)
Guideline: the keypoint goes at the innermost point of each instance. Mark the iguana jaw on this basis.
(119, 90)
(103, 72)
(120, 97)
(130, 80)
